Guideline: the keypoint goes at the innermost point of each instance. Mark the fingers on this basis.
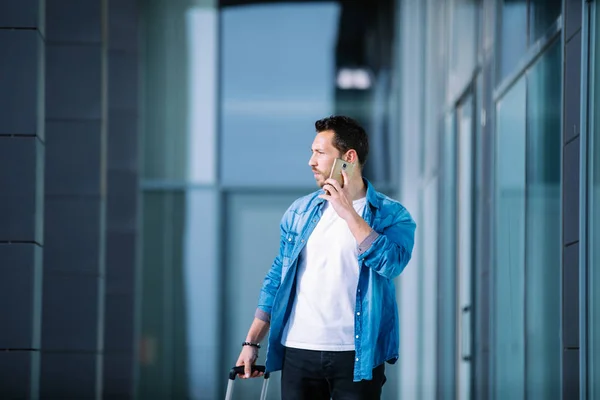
(325, 197)
(247, 364)
(333, 183)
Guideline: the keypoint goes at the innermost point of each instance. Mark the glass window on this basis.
(153, 319)
(512, 36)
(273, 88)
(434, 83)
(180, 89)
(447, 264)
(527, 273)
(279, 75)
(542, 14)
(509, 278)
(543, 227)
(464, 34)
(594, 223)
(179, 283)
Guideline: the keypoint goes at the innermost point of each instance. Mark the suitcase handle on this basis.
(240, 370)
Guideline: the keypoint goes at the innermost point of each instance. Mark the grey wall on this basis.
(74, 199)
(68, 198)
(122, 201)
(22, 150)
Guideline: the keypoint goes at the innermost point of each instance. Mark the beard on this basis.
(320, 178)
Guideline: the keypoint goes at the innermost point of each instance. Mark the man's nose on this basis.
(311, 161)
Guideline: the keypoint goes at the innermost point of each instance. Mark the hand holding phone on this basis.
(340, 165)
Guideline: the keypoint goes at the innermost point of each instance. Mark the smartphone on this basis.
(340, 165)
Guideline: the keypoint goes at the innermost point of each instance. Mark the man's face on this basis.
(323, 156)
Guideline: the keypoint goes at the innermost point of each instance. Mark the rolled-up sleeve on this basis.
(367, 242)
(389, 251)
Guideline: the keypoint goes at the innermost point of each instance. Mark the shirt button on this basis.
(289, 239)
(357, 336)
(357, 359)
(357, 313)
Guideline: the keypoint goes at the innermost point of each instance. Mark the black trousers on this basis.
(324, 375)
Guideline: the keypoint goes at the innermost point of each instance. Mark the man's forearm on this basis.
(360, 229)
(258, 331)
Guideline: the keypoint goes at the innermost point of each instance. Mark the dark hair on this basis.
(348, 134)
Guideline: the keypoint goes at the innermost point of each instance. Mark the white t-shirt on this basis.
(322, 316)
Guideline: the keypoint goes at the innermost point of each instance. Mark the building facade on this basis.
(161, 141)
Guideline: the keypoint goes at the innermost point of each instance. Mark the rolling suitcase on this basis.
(240, 370)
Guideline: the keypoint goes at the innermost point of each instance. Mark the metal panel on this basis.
(573, 17)
(73, 81)
(572, 91)
(20, 284)
(72, 232)
(73, 21)
(25, 15)
(65, 375)
(571, 192)
(123, 140)
(70, 321)
(571, 296)
(22, 60)
(19, 371)
(73, 158)
(570, 389)
(123, 83)
(21, 211)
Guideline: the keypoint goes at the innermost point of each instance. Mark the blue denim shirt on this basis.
(381, 257)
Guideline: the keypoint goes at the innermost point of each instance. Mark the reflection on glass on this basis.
(465, 31)
(508, 343)
(464, 265)
(278, 77)
(447, 273)
(156, 336)
(543, 237)
(513, 36)
(542, 14)
(179, 91)
(594, 227)
(179, 328)
(279, 74)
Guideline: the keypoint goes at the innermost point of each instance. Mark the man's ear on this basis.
(351, 156)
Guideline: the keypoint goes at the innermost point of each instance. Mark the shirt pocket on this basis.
(289, 245)
(287, 253)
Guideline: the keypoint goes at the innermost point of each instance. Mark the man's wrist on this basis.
(359, 227)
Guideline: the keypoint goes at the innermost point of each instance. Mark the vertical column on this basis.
(122, 200)
(570, 204)
(75, 196)
(22, 148)
(412, 14)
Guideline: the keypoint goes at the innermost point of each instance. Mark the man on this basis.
(329, 299)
